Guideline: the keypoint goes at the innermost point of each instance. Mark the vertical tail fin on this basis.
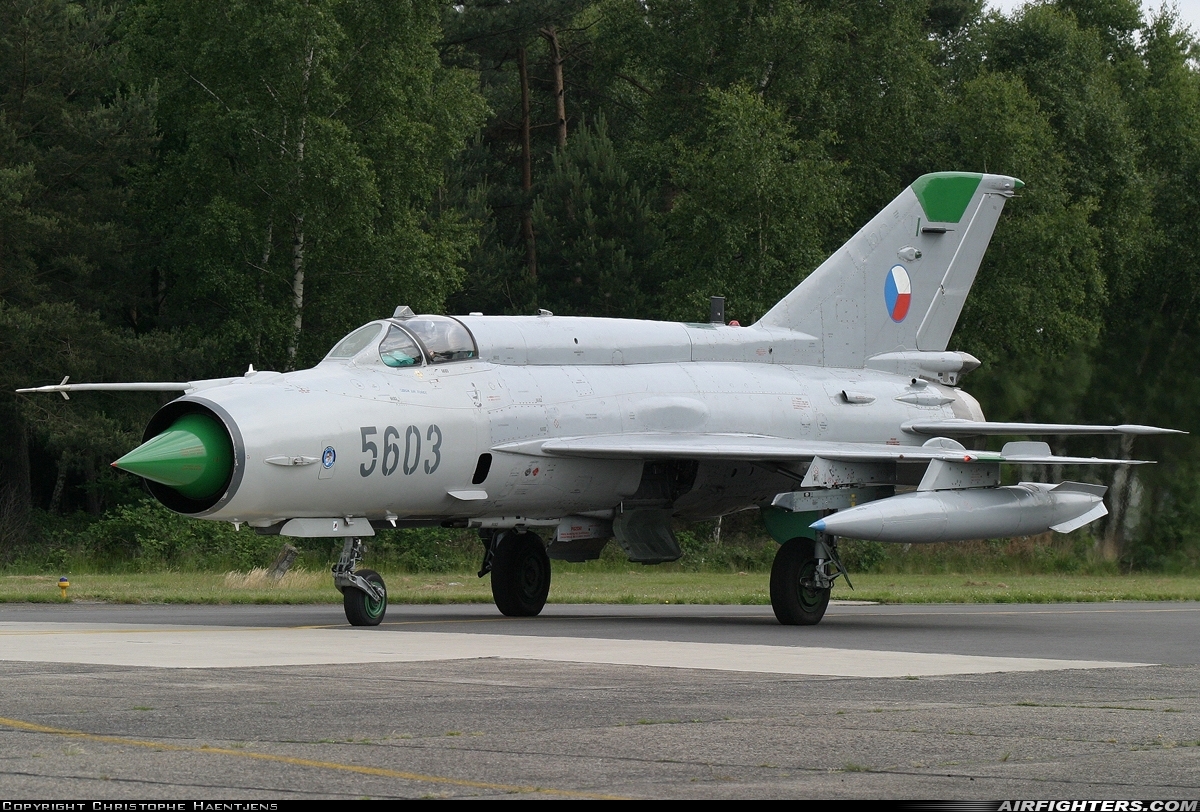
(899, 284)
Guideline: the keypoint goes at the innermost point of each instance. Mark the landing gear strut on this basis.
(364, 594)
(801, 579)
(520, 571)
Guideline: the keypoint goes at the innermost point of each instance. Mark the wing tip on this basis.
(1137, 429)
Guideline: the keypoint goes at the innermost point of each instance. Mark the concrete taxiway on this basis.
(253, 702)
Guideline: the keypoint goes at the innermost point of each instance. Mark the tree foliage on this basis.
(185, 189)
(302, 147)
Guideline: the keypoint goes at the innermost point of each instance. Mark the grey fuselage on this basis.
(407, 442)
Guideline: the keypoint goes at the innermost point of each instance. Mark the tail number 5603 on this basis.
(408, 458)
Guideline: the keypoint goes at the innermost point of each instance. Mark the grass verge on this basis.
(575, 584)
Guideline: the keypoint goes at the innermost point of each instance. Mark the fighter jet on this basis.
(837, 414)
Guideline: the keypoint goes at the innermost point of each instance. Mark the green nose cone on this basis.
(194, 457)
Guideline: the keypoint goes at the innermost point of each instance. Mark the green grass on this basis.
(576, 584)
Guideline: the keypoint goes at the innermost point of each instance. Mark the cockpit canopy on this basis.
(354, 343)
(444, 338)
(398, 349)
(411, 342)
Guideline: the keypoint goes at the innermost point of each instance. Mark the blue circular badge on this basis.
(329, 457)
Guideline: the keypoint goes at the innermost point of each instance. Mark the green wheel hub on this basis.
(374, 608)
(361, 608)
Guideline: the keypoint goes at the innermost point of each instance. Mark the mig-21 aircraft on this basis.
(590, 429)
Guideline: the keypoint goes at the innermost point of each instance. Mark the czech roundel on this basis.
(897, 292)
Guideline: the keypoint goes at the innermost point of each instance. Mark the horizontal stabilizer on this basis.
(970, 428)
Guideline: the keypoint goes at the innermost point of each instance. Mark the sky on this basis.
(1189, 10)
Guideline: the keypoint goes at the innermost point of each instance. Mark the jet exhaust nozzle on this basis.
(194, 456)
(975, 513)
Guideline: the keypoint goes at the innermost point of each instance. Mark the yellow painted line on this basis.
(17, 724)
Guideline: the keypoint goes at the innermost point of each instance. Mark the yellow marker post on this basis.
(63, 583)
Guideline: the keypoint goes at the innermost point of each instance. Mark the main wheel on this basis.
(794, 603)
(520, 574)
(361, 608)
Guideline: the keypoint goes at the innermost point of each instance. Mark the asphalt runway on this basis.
(281, 702)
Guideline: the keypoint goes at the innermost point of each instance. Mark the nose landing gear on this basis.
(364, 595)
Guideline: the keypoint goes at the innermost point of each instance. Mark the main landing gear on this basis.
(801, 579)
(364, 594)
(520, 571)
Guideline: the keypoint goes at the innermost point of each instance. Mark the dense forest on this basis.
(189, 188)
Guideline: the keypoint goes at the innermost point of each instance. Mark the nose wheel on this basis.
(364, 595)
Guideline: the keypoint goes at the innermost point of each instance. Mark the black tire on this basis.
(520, 574)
(795, 604)
(361, 608)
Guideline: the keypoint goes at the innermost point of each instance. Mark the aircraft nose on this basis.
(194, 456)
